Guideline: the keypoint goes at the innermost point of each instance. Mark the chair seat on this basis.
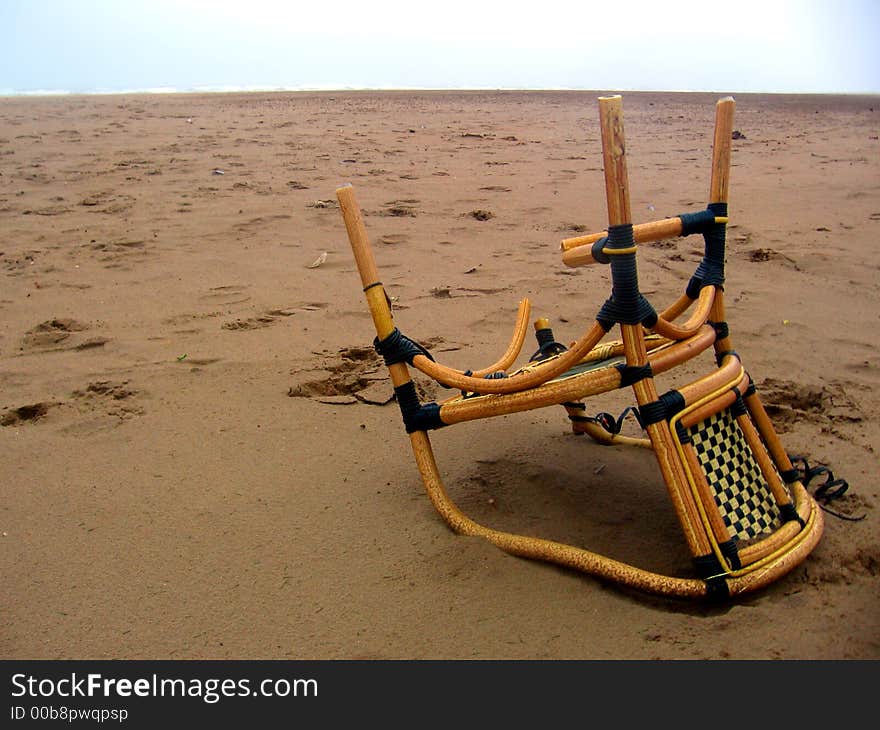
(599, 372)
(581, 368)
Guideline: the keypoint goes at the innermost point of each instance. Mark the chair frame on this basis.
(650, 343)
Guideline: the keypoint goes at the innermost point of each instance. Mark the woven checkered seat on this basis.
(740, 490)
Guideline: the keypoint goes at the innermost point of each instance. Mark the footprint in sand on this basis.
(226, 294)
(109, 202)
(47, 210)
(759, 255)
(260, 221)
(120, 254)
(290, 311)
(106, 389)
(21, 263)
(788, 403)
(572, 228)
(59, 334)
(98, 198)
(268, 317)
(354, 375)
(250, 323)
(350, 372)
(25, 414)
(108, 398)
(200, 362)
(401, 208)
(104, 398)
(393, 239)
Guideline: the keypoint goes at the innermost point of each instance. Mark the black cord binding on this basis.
(832, 488)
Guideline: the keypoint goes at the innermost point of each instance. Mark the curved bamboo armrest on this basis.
(667, 328)
(516, 343)
(457, 379)
(677, 308)
(577, 251)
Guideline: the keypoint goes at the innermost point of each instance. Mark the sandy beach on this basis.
(200, 454)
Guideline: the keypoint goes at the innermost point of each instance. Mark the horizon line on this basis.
(343, 88)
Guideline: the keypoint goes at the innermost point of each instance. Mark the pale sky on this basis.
(811, 46)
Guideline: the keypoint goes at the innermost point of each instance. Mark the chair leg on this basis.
(540, 549)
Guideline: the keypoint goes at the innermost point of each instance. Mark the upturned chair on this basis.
(745, 514)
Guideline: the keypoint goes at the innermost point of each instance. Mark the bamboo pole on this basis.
(672, 331)
(719, 185)
(730, 374)
(682, 351)
(564, 390)
(614, 159)
(541, 549)
(704, 492)
(677, 308)
(456, 379)
(777, 540)
(516, 343)
(577, 251)
(374, 292)
(602, 380)
(719, 190)
(617, 197)
(789, 555)
(768, 433)
(725, 400)
(600, 435)
(762, 458)
(792, 554)
(642, 233)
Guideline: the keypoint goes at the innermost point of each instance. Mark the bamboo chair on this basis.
(744, 511)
